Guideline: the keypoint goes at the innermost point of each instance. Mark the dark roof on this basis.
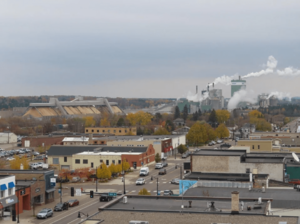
(222, 176)
(214, 152)
(66, 150)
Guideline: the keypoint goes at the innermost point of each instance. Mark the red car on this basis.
(73, 202)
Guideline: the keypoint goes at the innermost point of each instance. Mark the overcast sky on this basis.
(144, 48)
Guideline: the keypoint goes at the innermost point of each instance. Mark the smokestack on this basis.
(196, 89)
(213, 85)
(208, 87)
(239, 77)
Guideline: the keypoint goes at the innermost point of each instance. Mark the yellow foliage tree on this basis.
(144, 191)
(89, 122)
(211, 133)
(16, 163)
(197, 134)
(125, 165)
(255, 113)
(131, 118)
(222, 131)
(118, 168)
(140, 118)
(161, 131)
(112, 168)
(222, 116)
(103, 172)
(104, 122)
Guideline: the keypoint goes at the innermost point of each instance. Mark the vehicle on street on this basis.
(162, 172)
(158, 166)
(63, 180)
(165, 164)
(294, 181)
(61, 206)
(210, 143)
(140, 181)
(35, 153)
(45, 213)
(225, 145)
(168, 192)
(220, 141)
(73, 202)
(10, 158)
(184, 155)
(164, 158)
(105, 197)
(1, 150)
(237, 138)
(175, 181)
(144, 171)
(197, 150)
(75, 179)
(1, 155)
(34, 166)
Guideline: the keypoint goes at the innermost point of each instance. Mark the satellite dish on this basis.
(295, 157)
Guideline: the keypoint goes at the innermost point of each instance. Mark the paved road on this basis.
(293, 125)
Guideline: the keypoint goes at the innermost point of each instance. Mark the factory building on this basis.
(215, 99)
(74, 108)
(237, 85)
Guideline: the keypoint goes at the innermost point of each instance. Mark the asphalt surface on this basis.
(293, 125)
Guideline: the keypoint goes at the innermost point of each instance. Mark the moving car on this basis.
(225, 145)
(158, 166)
(140, 181)
(220, 141)
(168, 192)
(61, 206)
(75, 179)
(45, 213)
(165, 164)
(162, 172)
(35, 153)
(73, 202)
(144, 171)
(184, 155)
(175, 181)
(10, 158)
(105, 197)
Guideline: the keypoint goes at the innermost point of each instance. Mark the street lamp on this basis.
(8, 135)
(123, 172)
(156, 184)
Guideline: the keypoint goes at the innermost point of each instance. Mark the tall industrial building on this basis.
(237, 85)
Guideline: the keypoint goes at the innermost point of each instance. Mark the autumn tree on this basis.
(104, 122)
(222, 131)
(121, 122)
(255, 114)
(222, 116)
(144, 191)
(177, 113)
(161, 131)
(125, 165)
(182, 149)
(103, 172)
(89, 121)
(139, 118)
(16, 163)
(112, 168)
(197, 134)
(211, 133)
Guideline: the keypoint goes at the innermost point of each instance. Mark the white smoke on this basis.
(280, 95)
(242, 95)
(224, 79)
(271, 65)
(196, 97)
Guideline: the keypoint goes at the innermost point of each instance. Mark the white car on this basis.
(34, 166)
(159, 165)
(220, 141)
(10, 158)
(140, 181)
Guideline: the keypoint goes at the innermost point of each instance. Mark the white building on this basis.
(7, 137)
(7, 195)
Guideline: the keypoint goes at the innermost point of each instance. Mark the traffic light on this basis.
(91, 194)
(72, 191)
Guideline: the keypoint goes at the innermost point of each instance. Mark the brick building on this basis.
(37, 141)
(23, 194)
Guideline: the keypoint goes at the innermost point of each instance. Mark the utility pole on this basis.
(123, 178)
(96, 180)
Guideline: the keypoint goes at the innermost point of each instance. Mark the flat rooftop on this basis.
(108, 153)
(244, 177)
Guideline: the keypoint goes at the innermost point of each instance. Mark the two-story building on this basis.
(8, 199)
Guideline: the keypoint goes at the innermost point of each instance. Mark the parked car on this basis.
(225, 145)
(158, 166)
(168, 192)
(105, 197)
(165, 164)
(162, 172)
(45, 213)
(10, 158)
(197, 150)
(34, 166)
(294, 181)
(1, 150)
(75, 179)
(184, 155)
(35, 153)
(73, 202)
(220, 141)
(63, 180)
(164, 158)
(175, 181)
(61, 206)
(140, 181)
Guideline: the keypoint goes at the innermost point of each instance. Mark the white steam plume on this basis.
(196, 97)
(242, 95)
(224, 79)
(280, 95)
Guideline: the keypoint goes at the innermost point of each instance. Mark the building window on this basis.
(92, 130)
(119, 162)
(101, 160)
(103, 131)
(120, 131)
(92, 165)
(85, 161)
(258, 147)
(98, 130)
(113, 161)
(95, 142)
(247, 170)
(86, 130)
(125, 131)
(65, 159)
(252, 146)
(77, 161)
(107, 162)
(2, 194)
(9, 191)
(55, 161)
(114, 131)
(108, 131)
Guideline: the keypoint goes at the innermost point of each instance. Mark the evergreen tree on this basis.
(195, 116)
(185, 113)
(177, 112)
(213, 117)
(121, 122)
(199, 113)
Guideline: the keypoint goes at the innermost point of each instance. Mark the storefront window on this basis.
(2, 194)
(9, 191)
(55, 161)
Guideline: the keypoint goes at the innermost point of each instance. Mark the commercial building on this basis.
(43, 140)
(75, 157)
(7, 137)
(8, 199)
(237, 85)
(74, 108)
(111, 130)
(41, 189)
(257, 145)
(239, 161)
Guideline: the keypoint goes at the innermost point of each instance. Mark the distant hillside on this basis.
(24, 101)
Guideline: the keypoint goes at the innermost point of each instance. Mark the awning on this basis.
(50, 190)
(3, 187)
(11, 185)
(11, 200)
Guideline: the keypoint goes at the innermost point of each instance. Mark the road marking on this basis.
(133, 191)
(151, 183)
(154, 191)
(164, 182)
(89, 204)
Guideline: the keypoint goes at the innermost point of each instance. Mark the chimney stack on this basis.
(196, 89)
(235, 202)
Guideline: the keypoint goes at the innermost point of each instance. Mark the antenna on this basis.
(295, 157)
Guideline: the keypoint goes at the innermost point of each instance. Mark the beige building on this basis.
(111, 130)
(257, 145)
